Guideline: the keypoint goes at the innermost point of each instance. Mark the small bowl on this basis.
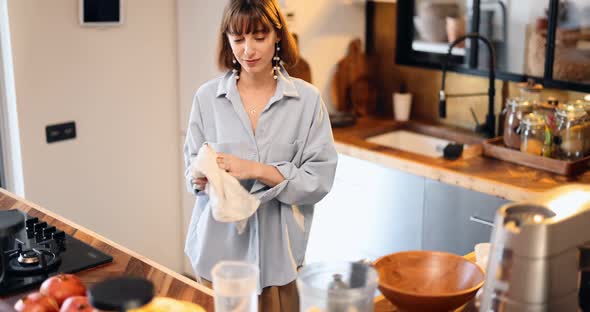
(432, 29)
(428, 280)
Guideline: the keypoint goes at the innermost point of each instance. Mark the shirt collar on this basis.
(285, 86)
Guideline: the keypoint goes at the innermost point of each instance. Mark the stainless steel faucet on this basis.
(489, 127)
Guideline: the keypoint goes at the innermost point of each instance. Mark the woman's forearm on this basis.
(268, 175)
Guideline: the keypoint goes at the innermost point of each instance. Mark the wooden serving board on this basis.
(495, 148)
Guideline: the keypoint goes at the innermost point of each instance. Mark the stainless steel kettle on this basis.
(535, 258)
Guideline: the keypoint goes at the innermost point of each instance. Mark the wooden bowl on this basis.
(428, 280)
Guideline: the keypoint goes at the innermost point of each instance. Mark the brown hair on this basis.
(247, 16)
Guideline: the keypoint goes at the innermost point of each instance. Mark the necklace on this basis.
(254, 109)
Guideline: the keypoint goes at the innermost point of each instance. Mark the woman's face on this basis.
(254, 51)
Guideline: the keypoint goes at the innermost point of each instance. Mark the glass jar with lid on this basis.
(573, 131)
(530, 91)
(532, 135)
(515, 109)
(586, 105)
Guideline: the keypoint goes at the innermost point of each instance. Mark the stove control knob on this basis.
(39, 226)
(30, 234)
(30, 222)
(47, 231)
(59, 235)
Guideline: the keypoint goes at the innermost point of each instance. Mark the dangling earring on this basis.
(236, 69)
(276, 62)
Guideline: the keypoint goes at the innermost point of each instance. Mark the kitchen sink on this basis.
(425, 139)
(411, 142)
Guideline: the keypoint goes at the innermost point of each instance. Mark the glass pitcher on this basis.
(335, 287)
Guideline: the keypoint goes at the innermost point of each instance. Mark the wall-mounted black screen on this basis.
(101, 11)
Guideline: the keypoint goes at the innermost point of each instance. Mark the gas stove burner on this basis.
(28, 257)
(33, 261)
(40, 250)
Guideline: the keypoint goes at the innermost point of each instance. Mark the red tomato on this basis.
(63, 286)
(76, 304)
(36, 302)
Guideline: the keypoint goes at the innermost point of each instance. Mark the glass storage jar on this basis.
(573, 130)
(532, 134)
(530, 91)
(547, 108)
(586, 105)
(515, 109)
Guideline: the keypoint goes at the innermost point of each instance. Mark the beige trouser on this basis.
(274, 298)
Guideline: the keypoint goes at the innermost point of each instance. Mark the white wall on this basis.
(10, 152)
(120, 176)
(198, 23)
(325, 28)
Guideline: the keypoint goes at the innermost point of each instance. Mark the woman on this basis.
(272, 133)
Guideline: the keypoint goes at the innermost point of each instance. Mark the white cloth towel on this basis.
(229, 201)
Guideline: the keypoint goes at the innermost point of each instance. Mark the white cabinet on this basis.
(371, 211)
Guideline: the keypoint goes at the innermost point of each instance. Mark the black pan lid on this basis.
(121, 294)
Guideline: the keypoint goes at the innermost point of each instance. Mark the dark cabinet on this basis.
(448, 211)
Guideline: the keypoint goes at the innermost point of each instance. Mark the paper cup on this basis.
(482, 252)
(402, 104)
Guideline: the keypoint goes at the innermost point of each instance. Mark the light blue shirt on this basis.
(293, 134)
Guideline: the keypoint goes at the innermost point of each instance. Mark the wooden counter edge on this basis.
(490, 187)
(134, 254)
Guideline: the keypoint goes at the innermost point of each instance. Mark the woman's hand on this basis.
(239, 168)
(246, 169)
(200, 183)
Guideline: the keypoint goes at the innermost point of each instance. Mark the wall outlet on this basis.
(60, 132)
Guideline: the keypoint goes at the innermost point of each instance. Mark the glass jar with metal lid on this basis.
(532, 134)
(515, 109)
(586, 105)
(573, 131)
(530, 91)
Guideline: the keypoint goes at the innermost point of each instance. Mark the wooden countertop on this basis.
(471, 171)
(125, 262)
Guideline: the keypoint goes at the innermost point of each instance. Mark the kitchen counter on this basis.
(125, 262)
(471, 171)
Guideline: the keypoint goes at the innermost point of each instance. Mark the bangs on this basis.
(242, 17)
(247, 21)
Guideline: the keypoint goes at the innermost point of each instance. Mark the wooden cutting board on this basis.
(301, 69)
(352, 89)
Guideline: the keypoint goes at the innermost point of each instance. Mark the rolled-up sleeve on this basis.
(194, 140)
(313, 179)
